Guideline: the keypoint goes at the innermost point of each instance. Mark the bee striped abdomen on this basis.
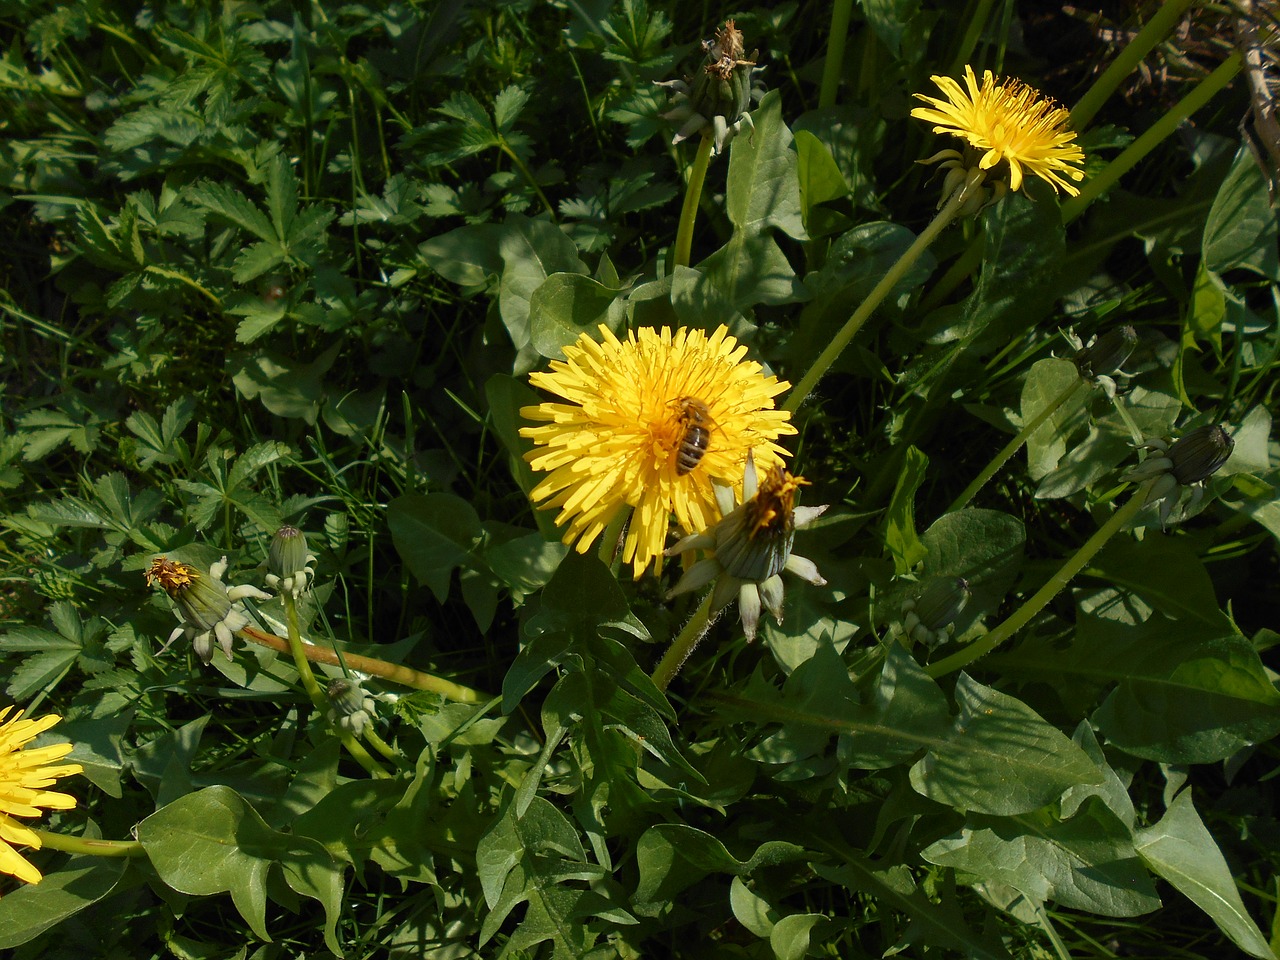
(696, 438)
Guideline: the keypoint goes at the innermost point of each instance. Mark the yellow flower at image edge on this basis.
(621, 438)
(24, 777)
(1008, 121)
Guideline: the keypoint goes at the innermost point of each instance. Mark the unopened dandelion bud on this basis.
(715, 100)
(349, 706)
(1106, 354)
(1200, 454)
(288, 562)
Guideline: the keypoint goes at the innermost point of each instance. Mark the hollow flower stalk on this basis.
(25, 776)
(1006, 122)
(613, 441)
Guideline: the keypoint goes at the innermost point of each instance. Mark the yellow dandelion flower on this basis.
(1008, 121)
(648, 423)
(24, 775)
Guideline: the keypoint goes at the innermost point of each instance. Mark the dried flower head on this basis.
(715, 101)
(750, 547)
(1009, 122)
(207, 608)
(25, 775)
(648, 423)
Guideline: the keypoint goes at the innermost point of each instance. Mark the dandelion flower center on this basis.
(647, 423)
(1009, 122)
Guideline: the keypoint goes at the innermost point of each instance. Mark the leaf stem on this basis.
(683, 645)
(834, 63)
(692, 194)
(1040, 599)
(1014, 445)
(976, 21)
(405, 676)
(1100, 183)
(950, 210)
(1155, 30)
(88, 847)
(528, 175)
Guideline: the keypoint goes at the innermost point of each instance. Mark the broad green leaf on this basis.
(1001, 757)
(900, 524)
(531, 251)
(1241, 231)
(434, 533)
(820, 180)
(790, 936)
(567, 305)
(762, 188)
(468, 256)
(1188, 699)
(1167, 573)
(672, 856)
(748, 270)
(286, 387)
(1181, 850)
(31, 909)
(888, 18)
(982, 546)
(1047, 383)
(213, 842)
(1086, 862)
(226, 203)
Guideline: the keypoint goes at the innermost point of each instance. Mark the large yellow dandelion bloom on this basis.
(623, 437)
(24, 775)
(1008, 121)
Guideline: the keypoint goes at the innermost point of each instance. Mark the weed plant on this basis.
(458, 415)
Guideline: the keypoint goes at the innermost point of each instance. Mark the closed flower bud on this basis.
(288, 562)
(1200, 454)
(1106, 354)
(715, 101)
(349, 706)
(930, 617)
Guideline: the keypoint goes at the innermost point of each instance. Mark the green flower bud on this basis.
(1200, 454)
(929, 617)
(208, 609)
(715, 101)
(1106, 354)
(349, 706)
(288, 562)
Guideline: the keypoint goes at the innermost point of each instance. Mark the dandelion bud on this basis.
(208, 609)
(349, 706)
(288, 562)
(1106, 354)
(1200, 454)
(715, 101)
(930, 617)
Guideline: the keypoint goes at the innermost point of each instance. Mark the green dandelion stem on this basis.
(1013, 446)
(87, 847)
(405, 676)
(959, 271)
(692, 195)
(1040, 599)
(1106, 178)
(683, 645)
(1156, 29)
(950, 210)
(609, 554)
(833, 66)
(300, 661)
(384, 748)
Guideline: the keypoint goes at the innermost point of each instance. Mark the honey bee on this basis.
(695, 419)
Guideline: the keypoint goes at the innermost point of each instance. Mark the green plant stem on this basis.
(692, 195)
(85, 846)
(977, 20)
(1040, 599)
(608, 553)
(956, 274)
(318, 697)
(1155, 30)
(950, 210)
(1013, 446)
(833, 66)
(384, 748)
(1099, 184)
(528, 175)
(683, 645)
(405, 676)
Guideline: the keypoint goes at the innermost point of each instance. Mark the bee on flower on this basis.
(620, 437)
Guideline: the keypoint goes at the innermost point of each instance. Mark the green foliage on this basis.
(274, 264)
